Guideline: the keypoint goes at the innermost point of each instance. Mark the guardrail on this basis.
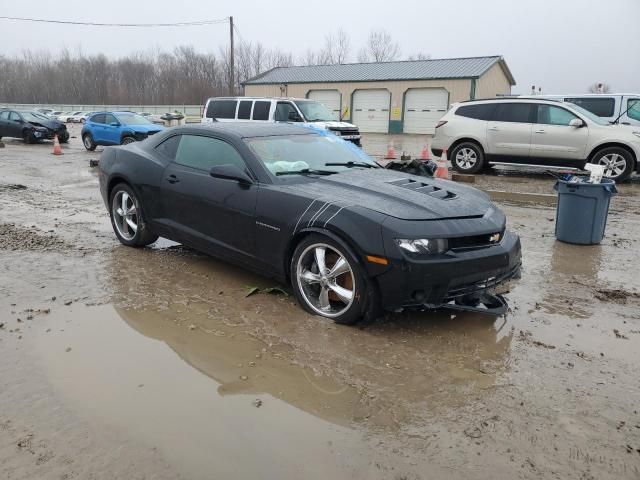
(187, 110)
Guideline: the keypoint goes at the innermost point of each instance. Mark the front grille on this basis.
(345, 131)
(425, 188)
(475, 241)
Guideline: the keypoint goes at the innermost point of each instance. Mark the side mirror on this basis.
(293, 116)
(114, 124)
(577, 123)
(230, 172)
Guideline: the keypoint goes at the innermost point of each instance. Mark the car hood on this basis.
(51, 124)
(334, 124)
(146, 128)
(397, 194)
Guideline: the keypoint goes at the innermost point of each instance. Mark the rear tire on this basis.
(467, 157)
(617, 161)
(340, 291)
(127, 217)
(87, 141)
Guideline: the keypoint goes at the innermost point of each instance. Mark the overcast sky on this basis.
(562, 45)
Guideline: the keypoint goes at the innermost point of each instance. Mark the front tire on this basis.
(87, 141)
(127, 218)
(127, 140)
(467, 157)
(617, 162)
(64, 138)
(28, 137)
(328, 280)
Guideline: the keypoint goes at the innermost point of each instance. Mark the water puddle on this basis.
(216, 404)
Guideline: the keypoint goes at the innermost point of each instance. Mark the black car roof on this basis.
(248, 129)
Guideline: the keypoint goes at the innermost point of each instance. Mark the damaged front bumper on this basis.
(470, 280)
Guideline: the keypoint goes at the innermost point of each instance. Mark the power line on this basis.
(242, 40)
(94, 24)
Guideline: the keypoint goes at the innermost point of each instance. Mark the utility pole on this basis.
(232, 77)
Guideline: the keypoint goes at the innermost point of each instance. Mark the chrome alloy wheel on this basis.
(614, 164)
(125, 215)
(466, 158)
(326, 280)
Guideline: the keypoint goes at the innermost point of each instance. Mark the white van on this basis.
(621, 107)
(262, 109)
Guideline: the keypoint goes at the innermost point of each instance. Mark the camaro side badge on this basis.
(266, 225)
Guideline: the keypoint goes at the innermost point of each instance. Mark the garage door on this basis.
(329, 98)
(423, 107)
(371, 110)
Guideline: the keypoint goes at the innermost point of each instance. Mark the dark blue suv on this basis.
(116, 128)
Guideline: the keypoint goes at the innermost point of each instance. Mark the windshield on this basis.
(293, 153)
(41, 116)
(594, 118)
(33, 117)
(315, 112)
(132, 119)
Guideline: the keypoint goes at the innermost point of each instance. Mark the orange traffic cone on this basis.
(425, 154)
(391, 152)
(57, 149)
(443, 169)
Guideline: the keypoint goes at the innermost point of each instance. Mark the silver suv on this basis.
(536, 132)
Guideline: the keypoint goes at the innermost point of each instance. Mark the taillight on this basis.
(440, 123)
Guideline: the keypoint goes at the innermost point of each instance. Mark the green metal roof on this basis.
(445, 68)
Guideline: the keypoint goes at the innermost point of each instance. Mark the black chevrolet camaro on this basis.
(308, 208)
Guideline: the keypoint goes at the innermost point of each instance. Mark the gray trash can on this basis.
(581, 215)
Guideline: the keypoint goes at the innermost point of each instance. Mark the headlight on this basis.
(423, 246)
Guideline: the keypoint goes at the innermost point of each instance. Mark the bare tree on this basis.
(340, 47)
(335, 50)
(419, 56)
(599, 87)
(380, 47)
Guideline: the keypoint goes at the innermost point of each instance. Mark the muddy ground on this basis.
(118, 363)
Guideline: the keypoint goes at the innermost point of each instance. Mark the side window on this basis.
(513, 112)
(600, 106)
(482, 111)
(205, 152)
(550, 115)
(14, 116)
(633, 106)
(169, 147)
(261, 110)
(109, 119)
(4, 115)
(244, 110)
(222, 109)
(283, 110)
(99, 118)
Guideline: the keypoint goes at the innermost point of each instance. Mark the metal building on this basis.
(394, 97)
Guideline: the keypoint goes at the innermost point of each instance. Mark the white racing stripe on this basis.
(302, 215)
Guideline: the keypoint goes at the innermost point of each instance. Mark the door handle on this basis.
(173, 179)
(494, 129)
(539, 131)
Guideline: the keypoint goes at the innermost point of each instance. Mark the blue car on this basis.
(116, 128)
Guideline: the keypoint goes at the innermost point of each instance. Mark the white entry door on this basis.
(423, 107)
(371, 110)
